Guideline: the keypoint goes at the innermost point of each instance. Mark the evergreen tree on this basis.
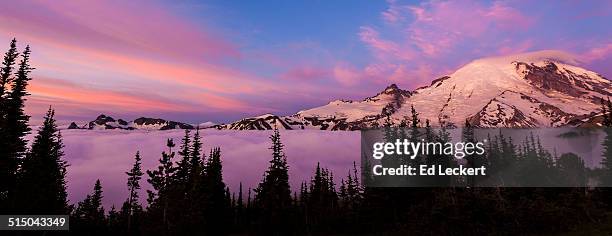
(240, 200)
(89, 215)
(8, 159)
(415, 132)
(133, 184)
(161, 181)
(273, 195)
(7, 66)
(573, 171)
(16, 119)
(414, 124)
(194, 198)
(217, 196)
(606, 161)
(43, 172)
(609, 106)
(183, 166)
(321, 201)
(468, 137)
(114, 222)
(249, 198)
(195, 162)
(604, 113)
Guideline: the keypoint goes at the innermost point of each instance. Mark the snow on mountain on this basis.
(533, 84)
(336, 115)
(106, 122)
(353, 111)
(538, 89)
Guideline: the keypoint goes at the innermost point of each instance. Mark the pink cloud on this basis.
(511, 47)
(414, 75)
(384, 49)
(507, 17)
(372, 38)
(347, 74)
(306, 73)
(147, 42)
(58, 89)
(415, 52)
(597, 53)
(440, 25)
(120, 47)
(394, 12)
(75, 97)
(131, 27)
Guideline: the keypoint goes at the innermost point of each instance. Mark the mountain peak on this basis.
(101, 116)
(392, 87)
(101, 119)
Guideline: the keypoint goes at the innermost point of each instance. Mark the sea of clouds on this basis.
(108, 154)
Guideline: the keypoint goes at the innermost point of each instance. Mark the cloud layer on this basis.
(109, 154)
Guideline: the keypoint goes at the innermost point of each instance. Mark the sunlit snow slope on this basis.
(538, 89)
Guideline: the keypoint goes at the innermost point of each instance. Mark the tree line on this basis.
(189, 195)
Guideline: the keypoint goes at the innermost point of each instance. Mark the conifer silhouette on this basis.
(43, 172)
(9, 149)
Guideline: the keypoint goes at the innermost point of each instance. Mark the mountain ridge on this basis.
(537, 89)
(144, 123)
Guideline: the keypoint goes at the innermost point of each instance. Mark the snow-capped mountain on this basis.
(336, 115)
(538, 89)
(107, 122)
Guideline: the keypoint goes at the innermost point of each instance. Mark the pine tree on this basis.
(273, 194)
(240, 200)
(218, 199)
(89, 214)
(133, 184)
(114, 222)
(182, 172)
(415, 123)
(606, 161)
(8, 159)
(604, 113)
(317, 187)
(195, 162)
(249, 198)
(572, 169)
(7, 66)
(468, 137)
(322, 199)
(43, 172)
(609, 106)
(161, 181)
(16, 119)
(194, 194)
(390, 134)
(415, 132)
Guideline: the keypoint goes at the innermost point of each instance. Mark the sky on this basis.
(197, 61)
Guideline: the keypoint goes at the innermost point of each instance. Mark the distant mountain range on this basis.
(107, 122)
(538, 89)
